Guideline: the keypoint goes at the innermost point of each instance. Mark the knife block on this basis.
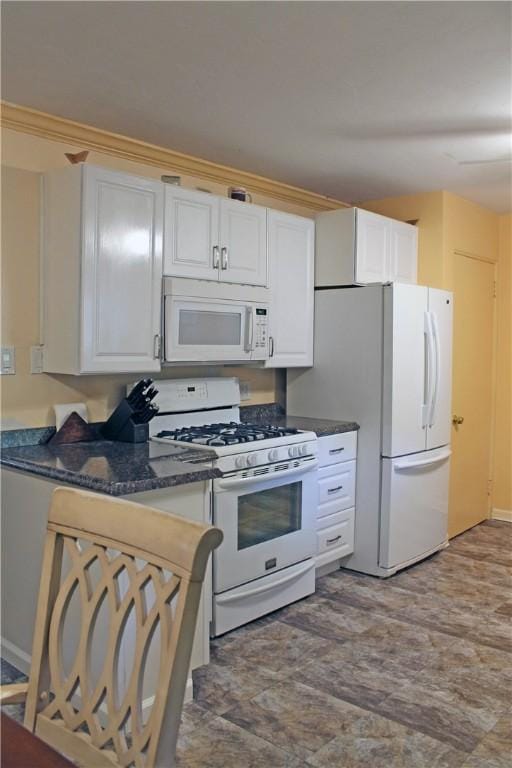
(121, 427)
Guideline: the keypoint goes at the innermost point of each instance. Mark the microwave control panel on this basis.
(260, 328)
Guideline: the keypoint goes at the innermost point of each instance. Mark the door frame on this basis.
(494, 351)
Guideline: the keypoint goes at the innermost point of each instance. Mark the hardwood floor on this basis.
(411, 672)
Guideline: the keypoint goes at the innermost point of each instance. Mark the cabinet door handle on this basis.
(271, 346)
(157, 346)
(224, 258)
(216, 256)
(336, 450)
(333, 490)
(333, 541)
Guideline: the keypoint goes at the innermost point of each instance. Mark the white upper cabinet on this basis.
(357, 246)
(243, 243)
(191, 234)
(291, 241)
(102, 271)
(207, 237)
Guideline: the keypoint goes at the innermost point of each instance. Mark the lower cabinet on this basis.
(335, 515)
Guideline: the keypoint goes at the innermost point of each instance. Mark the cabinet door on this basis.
(403, 253)
(291, 264)
(191, 234)
(122, 220)
(372, 247)
(243, 240)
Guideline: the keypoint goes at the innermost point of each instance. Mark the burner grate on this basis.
(231, 433)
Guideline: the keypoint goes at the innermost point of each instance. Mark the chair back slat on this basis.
(142, 569)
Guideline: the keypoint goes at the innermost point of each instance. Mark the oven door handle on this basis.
(240, 482)
(223, 599)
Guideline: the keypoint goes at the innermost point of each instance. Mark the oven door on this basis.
(268, 523)
(206, 329)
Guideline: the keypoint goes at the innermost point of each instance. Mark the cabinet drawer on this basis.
(338, 485)
(335, 448)
(336, 517)
(337, 538)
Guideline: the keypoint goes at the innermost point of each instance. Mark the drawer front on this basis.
(335, 518)
(335, 448)
(338, 539)
(339, 486)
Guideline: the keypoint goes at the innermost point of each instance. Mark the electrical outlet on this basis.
(245, 390)
(8, 361)
(36, 359)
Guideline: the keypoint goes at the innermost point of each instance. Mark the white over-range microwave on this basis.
(208, 322)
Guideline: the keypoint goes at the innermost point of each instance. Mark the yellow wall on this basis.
(428, 209)
(502, 497)
(28, 398)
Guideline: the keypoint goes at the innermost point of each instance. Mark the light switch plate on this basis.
(8, 363)
(36, 359)
(245, 390)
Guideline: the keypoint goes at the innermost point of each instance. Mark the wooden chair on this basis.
(87, 720)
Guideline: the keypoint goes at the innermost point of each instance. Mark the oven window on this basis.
(269, 514)
(198, 327)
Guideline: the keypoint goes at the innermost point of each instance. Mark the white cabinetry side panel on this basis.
(191, 233)
(243, 236)
(121, 272)
(291, 258)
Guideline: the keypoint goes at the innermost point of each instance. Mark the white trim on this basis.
(502, 514)
(15, 656)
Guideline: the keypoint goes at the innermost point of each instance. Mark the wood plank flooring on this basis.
(411, 672)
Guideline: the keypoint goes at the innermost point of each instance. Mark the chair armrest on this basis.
(13, 693)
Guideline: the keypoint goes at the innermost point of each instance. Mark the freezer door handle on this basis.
(400, 466)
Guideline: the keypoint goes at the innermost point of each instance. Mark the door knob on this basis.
(456, 420)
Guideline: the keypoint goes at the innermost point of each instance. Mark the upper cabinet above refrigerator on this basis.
(208, 237)
(354, 247)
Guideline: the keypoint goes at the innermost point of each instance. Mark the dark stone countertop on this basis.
(115, 468)
(274, 414)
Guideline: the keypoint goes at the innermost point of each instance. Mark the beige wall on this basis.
(502, 497)
(28, 398)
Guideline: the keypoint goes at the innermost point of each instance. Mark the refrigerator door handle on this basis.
(401, 465)
(426, 409)
(437, 377)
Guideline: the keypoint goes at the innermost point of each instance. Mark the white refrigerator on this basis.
(383, 358)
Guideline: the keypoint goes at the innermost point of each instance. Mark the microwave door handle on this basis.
(249, 329)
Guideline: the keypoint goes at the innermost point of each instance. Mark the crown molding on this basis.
(54, 128)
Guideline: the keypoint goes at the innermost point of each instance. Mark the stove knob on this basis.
(292, 451)
(252, 459)
(240, 462)
(304, 449)
(273, 455)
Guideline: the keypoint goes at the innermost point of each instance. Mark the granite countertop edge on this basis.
(122, 488)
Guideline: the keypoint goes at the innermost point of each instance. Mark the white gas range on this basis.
(264, 502)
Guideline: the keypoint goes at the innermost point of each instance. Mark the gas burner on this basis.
(232, 433)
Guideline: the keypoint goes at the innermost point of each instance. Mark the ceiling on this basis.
(355, 100)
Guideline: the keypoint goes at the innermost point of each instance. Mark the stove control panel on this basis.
(250, 459)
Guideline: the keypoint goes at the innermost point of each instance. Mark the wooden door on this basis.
(372, 247)
(121, 272)
(291, 264)
(191, 234)
(472, 392)
(243, 235)
(403, 262)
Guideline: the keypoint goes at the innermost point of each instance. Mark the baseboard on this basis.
(502, 514)
(15, 656)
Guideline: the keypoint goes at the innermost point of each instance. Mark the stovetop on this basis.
(223, 434)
